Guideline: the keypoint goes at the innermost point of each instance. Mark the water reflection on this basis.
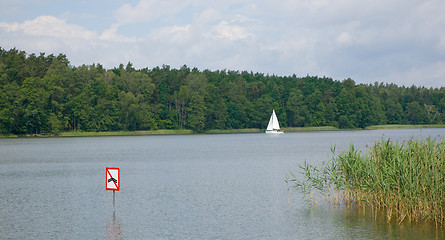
(395, 229)
(327, 221)
(363, 221)
(113, 229)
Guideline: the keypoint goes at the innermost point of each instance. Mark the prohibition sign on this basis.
(112, 179)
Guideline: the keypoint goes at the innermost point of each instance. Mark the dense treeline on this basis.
(45, 94)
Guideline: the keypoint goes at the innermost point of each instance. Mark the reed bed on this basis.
(404, 179)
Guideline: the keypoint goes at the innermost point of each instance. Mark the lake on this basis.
(228, 186)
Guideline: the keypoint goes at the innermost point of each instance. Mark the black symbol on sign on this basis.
(112, 179)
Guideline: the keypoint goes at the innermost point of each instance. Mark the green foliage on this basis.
(405, 179)
(196, 110)
(45, 94)
(55, 125)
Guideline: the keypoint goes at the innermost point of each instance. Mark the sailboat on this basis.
(273, 127)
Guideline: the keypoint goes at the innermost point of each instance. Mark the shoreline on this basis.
(215, 131)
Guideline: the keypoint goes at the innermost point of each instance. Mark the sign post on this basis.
(112, 182)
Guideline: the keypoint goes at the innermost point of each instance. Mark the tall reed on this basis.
(406, 179)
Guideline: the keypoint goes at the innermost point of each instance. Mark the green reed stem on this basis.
(406, 179)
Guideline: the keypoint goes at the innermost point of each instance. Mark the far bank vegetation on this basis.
(42, 94)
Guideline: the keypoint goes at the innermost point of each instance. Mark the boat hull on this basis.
(274, 132)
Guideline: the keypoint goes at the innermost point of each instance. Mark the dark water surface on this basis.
(183, 187)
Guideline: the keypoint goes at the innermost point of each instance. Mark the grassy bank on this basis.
(179, 132)
(406, 180)
(9, 136)
(155, 132)
(310, 129)
(213, 131)
(394, 126)
(229, 131)
(124, 133)
(289, 129)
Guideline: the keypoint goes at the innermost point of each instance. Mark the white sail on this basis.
(273, 126)
(273, 122)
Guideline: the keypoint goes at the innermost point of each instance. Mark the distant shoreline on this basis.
(214, 131)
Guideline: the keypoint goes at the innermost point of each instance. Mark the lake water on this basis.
(227, 186)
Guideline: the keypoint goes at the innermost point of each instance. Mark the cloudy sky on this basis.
(390, 41)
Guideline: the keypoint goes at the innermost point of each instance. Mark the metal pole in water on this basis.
(114, 201)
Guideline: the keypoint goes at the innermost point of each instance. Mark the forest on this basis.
(45, 94)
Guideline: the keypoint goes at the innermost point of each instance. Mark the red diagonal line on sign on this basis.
(115, 184)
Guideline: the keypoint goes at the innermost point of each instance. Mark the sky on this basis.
(383, 41)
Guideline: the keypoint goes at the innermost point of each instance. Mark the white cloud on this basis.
(344, 38)
(230, 31)
(173, 34)
(209, 15)
(431, 75)
(53, 35)
(49, 26)
(110, 34)
(148, 10)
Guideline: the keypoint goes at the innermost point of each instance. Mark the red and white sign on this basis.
(112, 179)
